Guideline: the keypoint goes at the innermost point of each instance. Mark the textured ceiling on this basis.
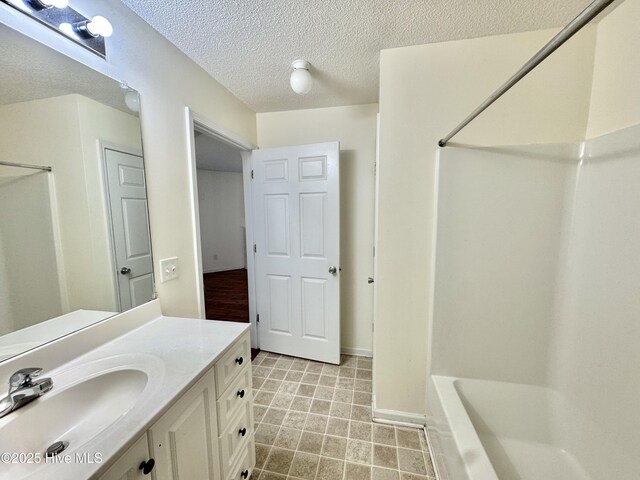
(212, 154)
(248, 45)
(32, 71)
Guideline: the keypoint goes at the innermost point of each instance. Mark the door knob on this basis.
(370, 280)
(125, 270)
(333, 270)
(147, 466)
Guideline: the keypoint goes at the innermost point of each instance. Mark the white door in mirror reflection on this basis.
(130, 226)
(296, 193)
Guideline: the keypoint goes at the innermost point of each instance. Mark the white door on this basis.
(296, 204)
(130, 227)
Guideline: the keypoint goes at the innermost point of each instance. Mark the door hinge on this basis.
(255, 248)
(374, 251)
(258, 318)
(251, 174)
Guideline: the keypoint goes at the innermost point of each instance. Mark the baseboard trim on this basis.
(359, 352)
(395, 417)
(223, 269)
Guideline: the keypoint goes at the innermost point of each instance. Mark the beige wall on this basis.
(168, 81)
(71, 126)
(355, 128)
(615, 101)
(221, 206)
(424, 92)
(98, 122)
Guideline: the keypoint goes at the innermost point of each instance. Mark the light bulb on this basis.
(99, 26)
(67, 29)
(301, 80)
(132, 99)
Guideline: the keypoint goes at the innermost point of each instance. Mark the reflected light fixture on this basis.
(131, 97)
(132, 100)
(301, 80)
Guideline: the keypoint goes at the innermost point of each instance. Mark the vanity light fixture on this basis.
(57, 15)
(301, 80)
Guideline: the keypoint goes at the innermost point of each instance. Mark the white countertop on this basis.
(175, 352)
(29, 337)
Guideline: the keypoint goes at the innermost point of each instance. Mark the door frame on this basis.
(211, 128)
(102, 147)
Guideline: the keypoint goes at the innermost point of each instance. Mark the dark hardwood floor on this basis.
(226, 297)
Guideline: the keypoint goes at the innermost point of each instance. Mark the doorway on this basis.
(291, 232)
(221, 190)
(222, 229)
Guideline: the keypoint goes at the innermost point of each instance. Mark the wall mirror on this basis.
(74, 235)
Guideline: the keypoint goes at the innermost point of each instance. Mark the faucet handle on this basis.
(22, 378)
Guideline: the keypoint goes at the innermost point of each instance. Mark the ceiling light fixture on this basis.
(301, 80)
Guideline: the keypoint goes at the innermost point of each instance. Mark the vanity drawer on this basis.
(230, 365)
(233, 398)
(243, 469)
(232, 441)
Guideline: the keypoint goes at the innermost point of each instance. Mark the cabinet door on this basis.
(127, 467)
(184, 442)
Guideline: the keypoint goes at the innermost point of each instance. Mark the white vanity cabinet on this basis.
(128, 465)
(184, 441)
(207, 434)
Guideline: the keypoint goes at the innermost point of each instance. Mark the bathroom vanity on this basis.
(137, 396)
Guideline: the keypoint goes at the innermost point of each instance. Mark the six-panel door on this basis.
(296, 193)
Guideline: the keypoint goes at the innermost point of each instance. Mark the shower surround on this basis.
(536, 307)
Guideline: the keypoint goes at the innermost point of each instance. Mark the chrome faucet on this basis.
(22, 389)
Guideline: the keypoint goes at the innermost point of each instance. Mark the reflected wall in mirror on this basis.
(74, 241)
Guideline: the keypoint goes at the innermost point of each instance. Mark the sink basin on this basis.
(86, 400)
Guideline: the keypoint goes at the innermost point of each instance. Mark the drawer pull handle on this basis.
(242, 431)
(245, 474)
(239, 360)
(147, 466)
(241, 393)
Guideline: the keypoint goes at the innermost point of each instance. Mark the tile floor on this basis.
(313, 421)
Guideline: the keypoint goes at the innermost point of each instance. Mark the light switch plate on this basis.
(169, 269)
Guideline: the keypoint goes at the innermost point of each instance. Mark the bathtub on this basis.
(488, 430)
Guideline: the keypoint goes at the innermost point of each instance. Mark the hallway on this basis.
(226, 296)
